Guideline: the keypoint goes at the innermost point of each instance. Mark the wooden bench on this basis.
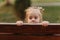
(10, 31)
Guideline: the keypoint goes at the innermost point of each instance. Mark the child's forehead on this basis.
(32, 11)
(33, 14)
(35, 11)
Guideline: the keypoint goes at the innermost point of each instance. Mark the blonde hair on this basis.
(38, 9)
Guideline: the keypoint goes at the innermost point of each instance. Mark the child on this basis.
(33, 15)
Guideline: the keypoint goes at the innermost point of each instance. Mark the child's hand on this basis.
(19, 23)
(45, 23)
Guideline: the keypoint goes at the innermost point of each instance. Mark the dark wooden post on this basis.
(20, 6)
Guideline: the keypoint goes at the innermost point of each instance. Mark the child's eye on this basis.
(30, 18)
(35, 17)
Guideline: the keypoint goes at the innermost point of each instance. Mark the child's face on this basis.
(33, 18)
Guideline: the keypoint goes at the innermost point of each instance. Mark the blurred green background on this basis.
(51, 13)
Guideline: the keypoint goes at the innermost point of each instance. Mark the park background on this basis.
(51, 12)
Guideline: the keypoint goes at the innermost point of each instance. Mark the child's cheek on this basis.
(29, 20)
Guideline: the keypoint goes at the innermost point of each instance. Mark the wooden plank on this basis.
(29, 28)
(55, 29)
(19, 37)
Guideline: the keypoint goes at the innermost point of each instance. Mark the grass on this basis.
(52, 14)
(7, 14)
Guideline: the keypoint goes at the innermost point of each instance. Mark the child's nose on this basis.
(33, 20)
